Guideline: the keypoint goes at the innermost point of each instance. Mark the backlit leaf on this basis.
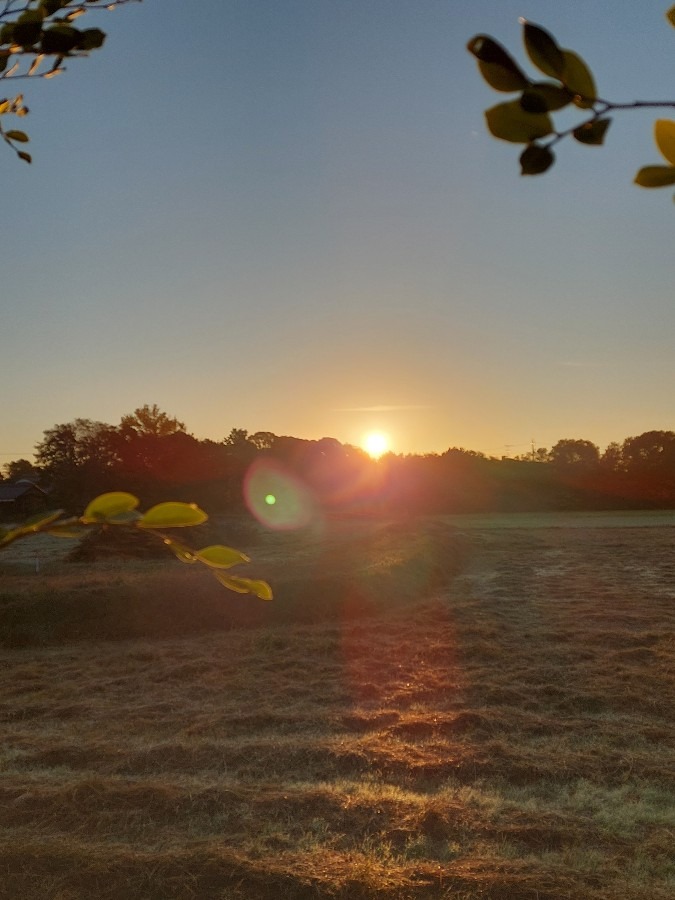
(260, 589)
(173, 515)
(108, 506)
(592, 132)
(183, 553)
(655, 176)
(578, 79)
(220, 557)
(26, 157)
(670, 15)
(544, 96)
(496, 66)
(510, 122)
(664, 134)
(20, 136)
(36, 522)
(534, 160)
(543, 50)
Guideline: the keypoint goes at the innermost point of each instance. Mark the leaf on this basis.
(260, 589)
(496, 66)
(544, 96)
(172, 515)
(27, 33)
(181, 551)
(109, 506)
(26, 157)
(592, 132)
(542, 49)
(655, 176)
(670, 15)
(59, 39)
(510, 122)
(91, 39)
(534, 160)
(35, 523)
(20, 136)
(664, 134)
(578, 79)
(219, 557)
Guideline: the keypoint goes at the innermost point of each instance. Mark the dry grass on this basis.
(390, 727)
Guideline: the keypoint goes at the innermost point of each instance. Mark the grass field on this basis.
(425, 711)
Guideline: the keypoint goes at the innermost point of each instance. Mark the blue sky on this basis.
(287, 215)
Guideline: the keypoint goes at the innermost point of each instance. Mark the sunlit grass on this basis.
(496, 727)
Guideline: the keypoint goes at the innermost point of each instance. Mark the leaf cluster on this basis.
(36, 36)
(118, 509)
(569, 83)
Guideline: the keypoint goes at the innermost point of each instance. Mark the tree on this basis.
(36, 36)
(21, 468)
(652, 451)
(150, 421)
(569, 452)
(526, 120)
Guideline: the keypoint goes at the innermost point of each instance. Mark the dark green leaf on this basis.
(19, 136)
(655, 176)
(7, 33)
(578, 79)
(31, 16)
(27, 33)
(495, 65)
(543, 50)
(543, 96)
(60, 39)
(592, 132)
(534, 160)
(91, 39)
(509, 122)
(52, 6)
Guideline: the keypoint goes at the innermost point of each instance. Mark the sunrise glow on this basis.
(375, 443)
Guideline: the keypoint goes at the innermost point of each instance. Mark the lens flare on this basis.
(276, 497)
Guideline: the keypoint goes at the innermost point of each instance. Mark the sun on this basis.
(375, 443)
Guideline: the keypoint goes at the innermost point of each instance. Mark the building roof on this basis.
(11, 492)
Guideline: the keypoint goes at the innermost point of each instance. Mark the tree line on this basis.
(150, 453)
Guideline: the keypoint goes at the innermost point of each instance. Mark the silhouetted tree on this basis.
(578, 453)
(22, 468)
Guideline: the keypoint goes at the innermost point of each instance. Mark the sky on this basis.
(288, 216)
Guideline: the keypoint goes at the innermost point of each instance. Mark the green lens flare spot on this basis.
(270, 499)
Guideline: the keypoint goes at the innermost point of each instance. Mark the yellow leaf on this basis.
(172, 515)
(219, 557)
(664, 134)
(260, 589)
(109, 506)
